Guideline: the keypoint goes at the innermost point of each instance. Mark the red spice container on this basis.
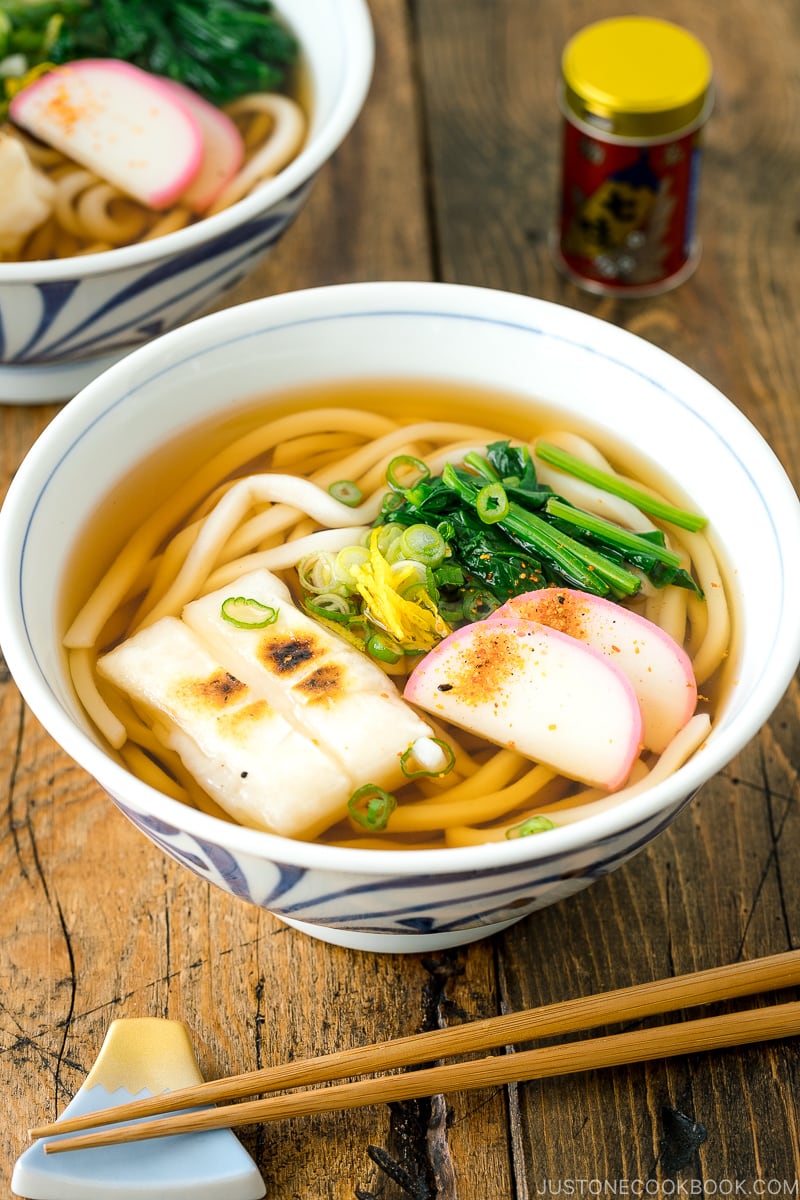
(635, 94)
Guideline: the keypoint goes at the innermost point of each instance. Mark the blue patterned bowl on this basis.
(423, 899)
(64, 321)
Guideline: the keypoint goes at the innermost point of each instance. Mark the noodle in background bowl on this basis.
(63, 321)
(404, 900)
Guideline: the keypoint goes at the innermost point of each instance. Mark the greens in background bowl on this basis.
(63, 320)
(219, 49)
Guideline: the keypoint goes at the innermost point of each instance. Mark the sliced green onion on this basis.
(492, 503)
(413, 752)
(423, 544)
(478, 604)
(317, 572)
(571, 465)
(416, 575)
(527, 828)
(332, 606)
(246, 613)
(371, 807)
(384, 648)
(389, 534)
(348, 560)
(347, 492)
(391, 501)
(405, 471)
(394, 551)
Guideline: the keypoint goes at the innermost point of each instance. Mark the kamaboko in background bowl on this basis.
(325, 381)
(65, 319)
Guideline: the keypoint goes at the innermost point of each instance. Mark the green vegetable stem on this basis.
(563, 461)
(508, 533)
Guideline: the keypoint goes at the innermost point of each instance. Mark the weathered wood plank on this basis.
(721, 883)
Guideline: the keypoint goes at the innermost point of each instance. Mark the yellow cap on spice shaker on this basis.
(635, 95)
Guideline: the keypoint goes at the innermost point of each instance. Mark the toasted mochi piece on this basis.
(27, 195)
(549, 696)
(319, 682)
(659, 669)
(260, 769)
(126, 125)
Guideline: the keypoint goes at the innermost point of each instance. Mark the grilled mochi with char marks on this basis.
(320, 683)
(257, 766)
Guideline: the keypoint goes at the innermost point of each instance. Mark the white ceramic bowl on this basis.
(428, 899)
(63, 321)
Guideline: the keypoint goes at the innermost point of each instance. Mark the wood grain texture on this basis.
(452, 173)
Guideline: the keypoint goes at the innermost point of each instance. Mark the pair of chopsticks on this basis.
(763, 1023)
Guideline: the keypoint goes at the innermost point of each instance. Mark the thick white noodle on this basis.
(289, 554)
(287, 136)
(93, 207)
(586, 495)
(682, 746)
(218, 527)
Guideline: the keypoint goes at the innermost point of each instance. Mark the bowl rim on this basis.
(359, 45)
(421, 298)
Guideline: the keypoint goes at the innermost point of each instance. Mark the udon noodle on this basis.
(262, 501)
(90, 216)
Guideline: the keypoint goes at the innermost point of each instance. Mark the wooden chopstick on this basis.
(682, 1037)
(584, 1012)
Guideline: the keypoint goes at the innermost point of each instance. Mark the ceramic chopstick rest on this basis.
(141, 1057)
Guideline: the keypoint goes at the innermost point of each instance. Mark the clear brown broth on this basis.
(170, 464)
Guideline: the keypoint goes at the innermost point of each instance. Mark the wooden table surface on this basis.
(452, 173)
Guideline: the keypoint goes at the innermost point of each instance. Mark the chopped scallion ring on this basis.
(405, 471)
(384, 648)
(533, 825)
(389, 534)
(492, 503)
(331, 606)
(348, 560)
(371, 807)
(418, 753)
(317, 573)
(477, 604)
(423, 544)
(392, 501)
(347, 492)
(246, 613)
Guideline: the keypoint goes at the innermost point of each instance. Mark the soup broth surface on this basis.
(433, 811)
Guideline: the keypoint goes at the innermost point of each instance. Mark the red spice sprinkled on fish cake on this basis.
(484, 665)
(64, 108)
(559, 609)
